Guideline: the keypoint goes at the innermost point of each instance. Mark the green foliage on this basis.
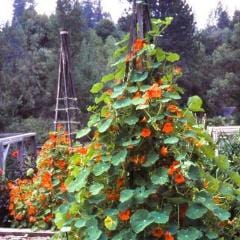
(150, 165)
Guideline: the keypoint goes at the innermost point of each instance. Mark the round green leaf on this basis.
(119, 157)
(125, 195)
(140, 220)
(222, 162)
(195, 104)
(196, 211)
(83, 132)
(189, 234)
(122, 103)
(96, 87)
(152, 158)
(103, 126)
(160, 217)
(172, 57)
(80, 223)
(139, 77)
(171, 140)
(101, 168)
(96, 188)
(160, 176)
(131, 120)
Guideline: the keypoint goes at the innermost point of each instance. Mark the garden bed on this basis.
(19, 234)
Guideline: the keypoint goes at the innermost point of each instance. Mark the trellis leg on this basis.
(20, 155)
(2, 157)
(32, 146)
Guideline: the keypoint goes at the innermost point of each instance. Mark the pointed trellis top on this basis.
(141, 21)
(67, 111)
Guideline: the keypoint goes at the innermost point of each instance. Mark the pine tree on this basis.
(18, 10)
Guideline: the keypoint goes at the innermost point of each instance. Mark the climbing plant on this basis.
(147, 173)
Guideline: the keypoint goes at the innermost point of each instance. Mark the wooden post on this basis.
(20, 158)
(2, 157)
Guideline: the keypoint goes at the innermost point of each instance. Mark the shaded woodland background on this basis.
(29, 47)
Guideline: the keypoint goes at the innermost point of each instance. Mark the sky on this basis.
(201, 8)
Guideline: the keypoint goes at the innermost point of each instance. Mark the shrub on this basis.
(33, 200)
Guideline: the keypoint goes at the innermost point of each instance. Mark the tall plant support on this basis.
(141, 21)
(67, 111)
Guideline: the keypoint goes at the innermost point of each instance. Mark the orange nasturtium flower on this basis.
(138, 45)
(120, 182)
(167, 128)
(113, 195)
(63, 188)
(146, 132)
(48, 217)
(164, 151)
(179, 178)
(173, 168)
(177, 70)
(138, 160)
(47, 180)
(32, 210)
(32, 219)
(125, 215)
(153, 92)
(157, 232)
(168, 236)
(19, 217)
(82, 150)
(173, 108)
(60, 164)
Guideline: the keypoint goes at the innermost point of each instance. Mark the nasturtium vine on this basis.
(149, 171)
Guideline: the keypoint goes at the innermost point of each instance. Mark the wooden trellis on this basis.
(141, 21)
(67, 111)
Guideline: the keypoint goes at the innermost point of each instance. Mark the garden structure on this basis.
(150, 171)
(67, 110)
(26, 144)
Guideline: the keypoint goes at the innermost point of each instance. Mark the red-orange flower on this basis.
(157, 232)
(179, 178)
(137, 95)
(138, 45)
(63, 188)
(168, 236)
(125, 215)
(32, 210)
(164, 151)
(173, 168)
(138, 160)
(173, 108)
(19, 217)
(47, 180)
(120, 182)
(82, 150)
(177, 70)
(113, 195)
(167, 128)
(60, 164)
(146, 132)
(48, 218)
(153, 92)
(32, 219)
(15, 154)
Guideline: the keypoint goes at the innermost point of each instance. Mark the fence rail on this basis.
(21, 140)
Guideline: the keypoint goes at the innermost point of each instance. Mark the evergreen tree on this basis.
(105, 28)
(179, 36)
(18, 10)
(222, 17)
